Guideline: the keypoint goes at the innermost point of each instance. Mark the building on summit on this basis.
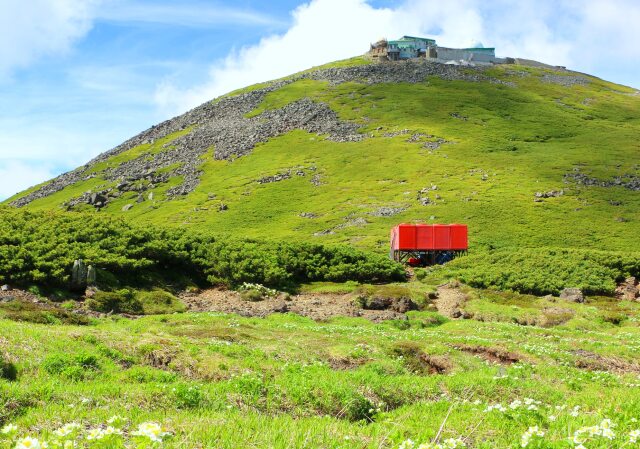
(410, 47)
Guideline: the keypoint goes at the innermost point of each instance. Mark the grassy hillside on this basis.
(507, 141)
(223, 381)
(533, 160)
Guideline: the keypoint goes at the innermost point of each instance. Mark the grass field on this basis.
(284, 381)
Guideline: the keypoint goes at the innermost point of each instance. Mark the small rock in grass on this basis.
(572, 294)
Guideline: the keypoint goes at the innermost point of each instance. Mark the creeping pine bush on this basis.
(542, 271)
(40, 248)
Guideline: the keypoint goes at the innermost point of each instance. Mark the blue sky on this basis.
(78, 77)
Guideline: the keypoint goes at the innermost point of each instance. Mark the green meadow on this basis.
(284, 381)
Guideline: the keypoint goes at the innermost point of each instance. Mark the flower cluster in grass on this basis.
(546, 425)
(74, 435)
(264, 291)
(531, 433)
(449, 443)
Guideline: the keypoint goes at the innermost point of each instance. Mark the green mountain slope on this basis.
(528, 157)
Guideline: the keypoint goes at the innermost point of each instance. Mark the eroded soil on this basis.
(317, 306)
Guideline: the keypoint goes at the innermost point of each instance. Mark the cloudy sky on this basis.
(78, 77)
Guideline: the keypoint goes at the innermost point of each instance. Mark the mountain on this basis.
(527, 155)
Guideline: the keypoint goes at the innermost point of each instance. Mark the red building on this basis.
(428, 244)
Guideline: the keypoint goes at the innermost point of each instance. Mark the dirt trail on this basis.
(450, 300)
(317, 306)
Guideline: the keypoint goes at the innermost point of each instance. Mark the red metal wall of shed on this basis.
(441, 237)
(459, 237)
(424, 237)
(405, 237)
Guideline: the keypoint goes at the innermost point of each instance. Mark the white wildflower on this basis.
(453, 443)
(154, 431)
(116, 420)
(67, 429)
(95, 434)
(531, 432)
(9, 429)
(407, 444)
(498, 407)
(29, 443)
(634, 436)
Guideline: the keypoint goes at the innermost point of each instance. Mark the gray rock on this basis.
(572, 294)
(5, 288)
(78, 274)
(127, 207)
(91, 275)
(629, 289)
(627, 181)
(387, 211)
(549, 194)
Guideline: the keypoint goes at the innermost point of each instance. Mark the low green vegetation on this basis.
(26, 311)
(543, 271)
(287, 382)
(40, 248)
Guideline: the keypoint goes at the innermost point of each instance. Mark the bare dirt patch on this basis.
(417, 361)
(13, 294)
(493, 355)
(317, 306)
(345, 363)
(595, 362)
(450, 301)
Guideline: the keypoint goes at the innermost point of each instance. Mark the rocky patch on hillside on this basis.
(628, 181)
(223, 128)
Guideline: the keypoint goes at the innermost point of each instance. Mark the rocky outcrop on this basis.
(222, 127)
(628, 181)
(572, 295)
(539, 196)
(629, 290)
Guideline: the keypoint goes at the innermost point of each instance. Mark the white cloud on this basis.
(580, 35)
(189, 14)
(16, 176)
(34, 28)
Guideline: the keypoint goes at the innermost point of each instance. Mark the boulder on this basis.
(628, 290)
(126, 207)
(572, 294)
(5, 288)
(402, 305)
